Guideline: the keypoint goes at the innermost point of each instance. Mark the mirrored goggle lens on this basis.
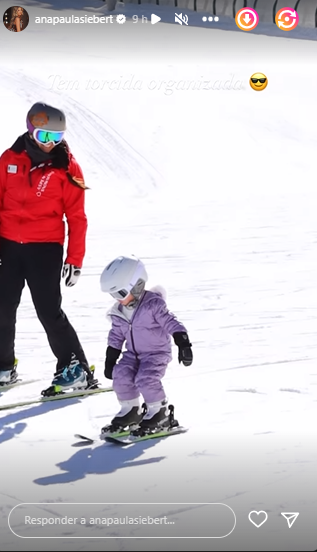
(46, 136)
(121, 294)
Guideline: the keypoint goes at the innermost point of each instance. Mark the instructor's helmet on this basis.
(45, 117)
(122, 276)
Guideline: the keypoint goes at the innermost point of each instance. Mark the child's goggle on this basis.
(48, 136)
(119, 295)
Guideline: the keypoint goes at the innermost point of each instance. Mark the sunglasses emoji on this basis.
(258, 81)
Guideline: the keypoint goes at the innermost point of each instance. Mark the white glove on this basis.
(71, 274)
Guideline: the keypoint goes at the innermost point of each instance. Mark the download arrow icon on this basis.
(246, 19)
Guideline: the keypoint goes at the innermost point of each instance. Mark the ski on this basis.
(132, 439)
(17, 383)
(61, 396)
(133, 434)
(91, 440)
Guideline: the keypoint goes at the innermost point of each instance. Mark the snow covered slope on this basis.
(213, 186)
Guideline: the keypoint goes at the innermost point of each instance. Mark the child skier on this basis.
(140, 318)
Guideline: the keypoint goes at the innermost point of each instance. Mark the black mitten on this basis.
(185, 353)
(112, 356)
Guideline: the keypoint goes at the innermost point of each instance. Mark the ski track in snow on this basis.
(240, 272)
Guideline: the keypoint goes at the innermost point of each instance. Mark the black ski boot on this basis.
(159, 416)
(127, 419)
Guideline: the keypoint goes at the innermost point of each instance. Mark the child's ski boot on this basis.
(127, 419)
(159, 416)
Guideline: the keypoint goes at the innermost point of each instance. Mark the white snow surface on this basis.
(216, 192)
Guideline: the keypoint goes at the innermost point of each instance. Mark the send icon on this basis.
(290, 517)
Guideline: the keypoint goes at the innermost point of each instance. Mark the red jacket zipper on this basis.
(23, 203)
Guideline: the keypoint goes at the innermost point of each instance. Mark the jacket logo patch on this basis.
(41, 187)
(13, 169)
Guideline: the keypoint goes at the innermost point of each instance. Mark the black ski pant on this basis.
(40, 265)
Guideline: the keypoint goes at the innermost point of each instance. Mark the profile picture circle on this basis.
(16, 19)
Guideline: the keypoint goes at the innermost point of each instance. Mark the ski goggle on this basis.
(262, 81)
(48, 136)
(119, 295)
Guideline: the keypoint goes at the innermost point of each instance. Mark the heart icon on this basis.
(257, 517)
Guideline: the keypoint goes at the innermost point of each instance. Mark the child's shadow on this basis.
(103, 459)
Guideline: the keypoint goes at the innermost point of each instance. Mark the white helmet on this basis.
(122, 276)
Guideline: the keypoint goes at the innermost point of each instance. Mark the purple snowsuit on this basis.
(148, 343)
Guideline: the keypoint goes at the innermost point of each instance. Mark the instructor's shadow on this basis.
(15, 417)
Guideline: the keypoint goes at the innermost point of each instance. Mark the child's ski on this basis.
(91, 440)
(134, 434)
(132, 439)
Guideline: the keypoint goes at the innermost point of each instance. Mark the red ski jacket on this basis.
(33, 203)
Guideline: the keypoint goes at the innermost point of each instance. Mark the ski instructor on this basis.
(40, 182)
